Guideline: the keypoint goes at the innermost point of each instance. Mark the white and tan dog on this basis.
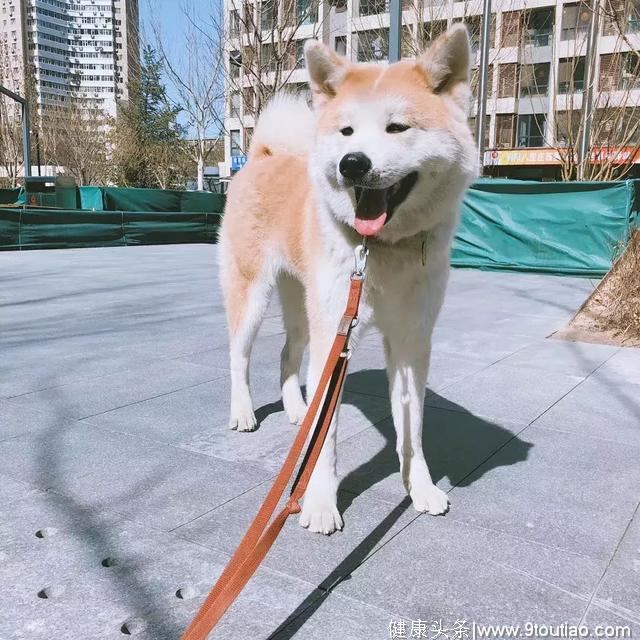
(386, 153)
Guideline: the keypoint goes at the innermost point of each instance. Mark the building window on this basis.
(633, 19)
(235, 62)
(534, 79)
(340, 45)
(373, 7)
(511, 26)
(630, 70)
(248, 134)
(307, 11)
(507, 80)
(505, 130)
(531, 130)
(249, 100)
(571, 75)
(236, 144)
(234, 23)
(575, 21)
(299, 62)
(485, 134)
(539, 27)
(235, 104)
(567, 128)
(373, 45)
(268, 14)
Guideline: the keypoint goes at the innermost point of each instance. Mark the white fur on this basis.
(284, 126)
(403, 292)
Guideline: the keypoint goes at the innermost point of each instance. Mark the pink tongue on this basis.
(370, 227)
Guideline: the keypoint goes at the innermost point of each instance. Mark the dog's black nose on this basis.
(354, 165)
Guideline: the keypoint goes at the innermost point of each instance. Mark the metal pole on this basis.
(26, 143)
(482, 81)
(587, 96)
(395, 30)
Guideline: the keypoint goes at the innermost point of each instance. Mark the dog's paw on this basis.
(427, 498)
(296, 412)
(320, 517)
(243, 420)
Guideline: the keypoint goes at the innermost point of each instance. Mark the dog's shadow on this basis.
(455, 440)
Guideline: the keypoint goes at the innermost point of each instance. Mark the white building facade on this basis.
(536, 78)
(82, 49)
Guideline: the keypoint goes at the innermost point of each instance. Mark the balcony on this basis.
(538, 38)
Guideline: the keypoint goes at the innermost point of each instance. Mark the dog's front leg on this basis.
(320, 508)
(407, 355)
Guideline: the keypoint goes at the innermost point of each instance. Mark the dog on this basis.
(385, 152)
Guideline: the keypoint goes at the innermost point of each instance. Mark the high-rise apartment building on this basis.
(68, 49)
(536, 75)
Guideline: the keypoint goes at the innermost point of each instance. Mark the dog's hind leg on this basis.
(246, 302)
(296, 326)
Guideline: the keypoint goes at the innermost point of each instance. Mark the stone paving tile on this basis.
(101, 573)
(197, 419)
(332, 616)
(322, 560)
(367, 370)
(601, 407)
(477, 343)
(156, 484)
(16, 420)
(560, 356)
(91, 397)
(602, 622)
(507, 393)
(620, 588)
(63, 368)
(571, 492)
(440, 569)
(624, 366)
(455, 443)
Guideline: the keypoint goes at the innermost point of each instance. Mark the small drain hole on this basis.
(50, 592)
(185, 593)
(109, 562)
(133, 627)
(46, 532)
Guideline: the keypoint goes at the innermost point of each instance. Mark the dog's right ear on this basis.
(326, 71)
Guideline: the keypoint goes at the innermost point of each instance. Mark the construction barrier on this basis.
(572, 228)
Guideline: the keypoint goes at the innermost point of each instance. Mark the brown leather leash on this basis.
(262, 534)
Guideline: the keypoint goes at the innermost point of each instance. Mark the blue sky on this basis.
(172, 22)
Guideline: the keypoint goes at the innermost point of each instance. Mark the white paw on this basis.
(427, 498)
(296, 412)
(243, 419)
(320, 517)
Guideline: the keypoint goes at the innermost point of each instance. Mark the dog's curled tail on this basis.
(285, 126)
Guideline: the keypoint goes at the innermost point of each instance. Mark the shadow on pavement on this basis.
(442, 462)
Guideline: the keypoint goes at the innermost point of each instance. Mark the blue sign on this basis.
(237, 162)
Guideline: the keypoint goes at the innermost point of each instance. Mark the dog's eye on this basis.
(396, 127)
(346, 131)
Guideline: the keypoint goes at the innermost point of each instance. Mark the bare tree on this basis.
(196, 73)
(75, 137)
(10, 121)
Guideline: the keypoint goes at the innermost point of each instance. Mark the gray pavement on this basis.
(122, 492)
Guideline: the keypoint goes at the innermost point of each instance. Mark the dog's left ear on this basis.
(326, 71)
(446, 62)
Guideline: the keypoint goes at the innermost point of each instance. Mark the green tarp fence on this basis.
(572, 228)
(550, 227)
(56, 229)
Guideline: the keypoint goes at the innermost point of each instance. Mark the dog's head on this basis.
(387, 135)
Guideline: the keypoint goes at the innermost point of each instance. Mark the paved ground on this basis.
(122, 492)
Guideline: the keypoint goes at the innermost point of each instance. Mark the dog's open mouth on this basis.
(374, 207)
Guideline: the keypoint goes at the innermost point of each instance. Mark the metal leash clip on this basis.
(361, 252)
